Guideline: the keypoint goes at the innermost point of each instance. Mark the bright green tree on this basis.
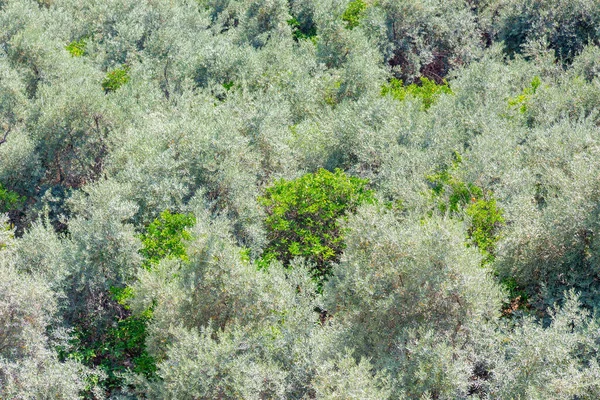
(77, 47)
(9, 200)
(165, 237)
(115, 79)
(428, 91)
(303, 217)
(353, 13)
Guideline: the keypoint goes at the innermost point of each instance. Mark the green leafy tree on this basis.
(353, 13)
(166, 236)
(428, 91)
(461, 199)
(115, 79)
(299, 33)
(303, 217)
(77, 47)
(9, 200)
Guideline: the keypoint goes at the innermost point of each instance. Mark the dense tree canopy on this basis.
(299, 199)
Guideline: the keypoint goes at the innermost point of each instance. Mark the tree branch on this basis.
(3, 140)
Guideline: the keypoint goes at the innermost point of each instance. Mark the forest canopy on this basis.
(299, 199)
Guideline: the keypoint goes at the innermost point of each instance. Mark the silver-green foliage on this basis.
(217, 286)
(29, 367)
(409, 293)
(27, 309)
(564, 26)
(226, 96)
(389, 263)
(344, 378)
(200, 366)
(243, 331)
(531, 360)
(586, 64)
(423, 38)
(101, 252)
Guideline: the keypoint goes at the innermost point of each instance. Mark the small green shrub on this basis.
(428, 91)
(332, 93)
(165, 237)
(522, 101)
(118, 350)
(299, 32)
(353, 13)
(458, 199)
(394, 88)
(9, 200)
(121, 349)
(486, 219)
(518, 299)
(452, 194)
(77, 47)
(115, 79)
(449, 192)
(303, 217)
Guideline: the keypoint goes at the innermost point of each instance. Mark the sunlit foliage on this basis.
(299, 199)
(303, 217)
